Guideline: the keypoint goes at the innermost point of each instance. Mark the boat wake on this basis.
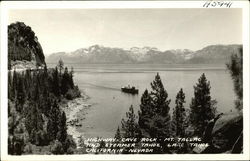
(100, 86)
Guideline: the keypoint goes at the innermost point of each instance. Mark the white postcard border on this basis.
(6, 6)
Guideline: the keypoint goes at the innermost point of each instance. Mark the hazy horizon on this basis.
(66, 30)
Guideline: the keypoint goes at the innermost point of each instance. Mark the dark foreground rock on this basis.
(227, 136)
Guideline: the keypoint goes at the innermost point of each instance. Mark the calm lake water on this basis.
(102, 84)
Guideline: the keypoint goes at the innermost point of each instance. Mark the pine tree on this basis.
(55, 83)
(44, 77)
(159, 97)
(154, 116)
(53, 124)
(47, 105)
(60, 65)
(62, 131)
(202, 106)
(130, 126)
(118, 134)
(179, 115)
(146, 103)
(146, 111)
(235, 67)
(54, 115)
(71, 82)
(65, 83)
(50, 130)
(117, 137)
(33, 121)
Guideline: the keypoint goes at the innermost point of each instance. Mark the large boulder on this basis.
(227, 134)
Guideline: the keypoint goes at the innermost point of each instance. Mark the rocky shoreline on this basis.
(72, 108)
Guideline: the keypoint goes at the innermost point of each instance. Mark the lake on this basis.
(102, 83)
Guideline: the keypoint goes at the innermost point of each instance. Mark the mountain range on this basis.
(24, 50)
(213, 54)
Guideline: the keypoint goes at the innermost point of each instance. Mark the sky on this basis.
(70, 29)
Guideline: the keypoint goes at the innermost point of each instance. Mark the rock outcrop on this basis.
(226, 135)
(24, 50)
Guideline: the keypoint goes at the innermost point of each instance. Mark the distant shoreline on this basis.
(141, 68)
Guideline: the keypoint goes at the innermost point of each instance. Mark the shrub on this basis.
(69, 144)
(28, 148)
(70, 150)
(73, 93)
(57, 148)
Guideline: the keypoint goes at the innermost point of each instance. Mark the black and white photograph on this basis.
(113, 81)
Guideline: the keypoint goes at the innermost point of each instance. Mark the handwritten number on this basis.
(217, 4)
(213, 4)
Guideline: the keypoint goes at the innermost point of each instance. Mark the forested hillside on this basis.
(36, 122)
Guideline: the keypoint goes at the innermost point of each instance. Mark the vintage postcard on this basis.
(142, 80)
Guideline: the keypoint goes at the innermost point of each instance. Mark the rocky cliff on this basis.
(24, 50)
